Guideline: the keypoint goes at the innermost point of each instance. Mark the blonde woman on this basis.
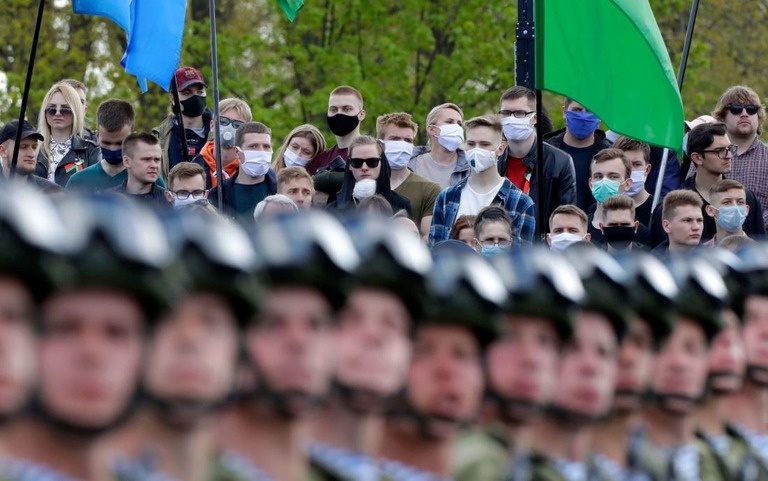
(64, 151)
(300, 147)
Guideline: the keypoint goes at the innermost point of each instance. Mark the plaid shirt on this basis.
(751, 169)
(517, 204)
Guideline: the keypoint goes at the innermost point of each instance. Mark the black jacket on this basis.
(155, 200)
(344, 202)
(559, 181)
(82, 154)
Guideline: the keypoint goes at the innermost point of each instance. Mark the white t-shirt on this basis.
(473, 202)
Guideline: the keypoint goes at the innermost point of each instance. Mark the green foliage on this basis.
(404, 55)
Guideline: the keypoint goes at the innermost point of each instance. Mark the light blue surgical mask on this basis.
(604, 188)
(493, 250)
(731, 217)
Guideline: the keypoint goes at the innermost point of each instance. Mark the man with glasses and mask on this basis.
(186, 185)
(233, 113)
(518, 161)
(711, 151)
(484, 187)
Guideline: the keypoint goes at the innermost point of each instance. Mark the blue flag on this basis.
(119, 11)
(155, 29)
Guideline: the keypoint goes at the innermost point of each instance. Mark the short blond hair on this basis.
(569, 209)
(238, 105)
(679, 198)
(432, 115)
(398, 119)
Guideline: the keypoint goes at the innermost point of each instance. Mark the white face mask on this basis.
(516, 130)
(292, 159)
(179, 203)
(398, 153)
(364, 188)
(638, 182)
(451, 136)
(481, 160)
(257, 162)
(562, 241)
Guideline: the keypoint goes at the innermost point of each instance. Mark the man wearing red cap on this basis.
(195, 116)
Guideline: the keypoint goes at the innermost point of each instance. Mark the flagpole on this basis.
(217, 125)
(27, 85)
(680, 79)
(525, 75)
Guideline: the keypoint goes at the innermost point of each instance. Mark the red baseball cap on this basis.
(188, 76)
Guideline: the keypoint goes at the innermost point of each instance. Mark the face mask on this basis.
(638, 182)
(364, 188)
(516, 129)
(562, 241)
(227, 136)
(480, 159)
(193, 106)
(731, 217)
(398, 153)
(451, 136)
(257, 162)
(113, 157)
(581, 124)
(492, 251)
(604, 188)
(341, 124)
(179, 203)
(619, 237)
(292, 159)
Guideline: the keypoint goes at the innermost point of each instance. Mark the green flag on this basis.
(291, 7)
(609, 56)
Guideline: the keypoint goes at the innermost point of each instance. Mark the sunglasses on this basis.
(736, 109)
(65, 111)
(235, 123)
(372, 163)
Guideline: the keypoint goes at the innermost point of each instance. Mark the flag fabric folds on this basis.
(609, 56)
(291, 7)
(155, 29)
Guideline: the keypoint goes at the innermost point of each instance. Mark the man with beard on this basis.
(445, 380)
(586, 376)
(651, 297)
(27, 275)
(192, 358)
(667, 448)
(373, 345)
(91, 337)
(289, 346)
(746, 409)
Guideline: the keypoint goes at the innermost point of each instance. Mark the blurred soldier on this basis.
(91, 338)
(651, 297)
(587, 373)
(192, 358)
(28, 271)
(666, 447)
(445, 381)
(373, 344)
(289, 347)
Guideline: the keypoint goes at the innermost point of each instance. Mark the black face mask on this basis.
(193, 106)
(619, 237)
(341, 124)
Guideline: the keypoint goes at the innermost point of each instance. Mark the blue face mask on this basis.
(113, 157)
(581, 124)
(493, 250)
(604, 188)
(731, 217)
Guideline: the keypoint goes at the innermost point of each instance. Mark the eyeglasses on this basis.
(65, 111)
(737, 109)
(372, 163)
(184, 194)
(235, 123)
(518, 114)
(496, 242)
(723, 152)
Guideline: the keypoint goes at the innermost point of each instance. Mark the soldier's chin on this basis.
(725, 382)
(627, 401)
(296, 404)
(443, 427)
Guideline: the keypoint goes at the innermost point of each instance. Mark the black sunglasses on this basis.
(66, 111)
(235, 123)
(372, 163)
(736, 109)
